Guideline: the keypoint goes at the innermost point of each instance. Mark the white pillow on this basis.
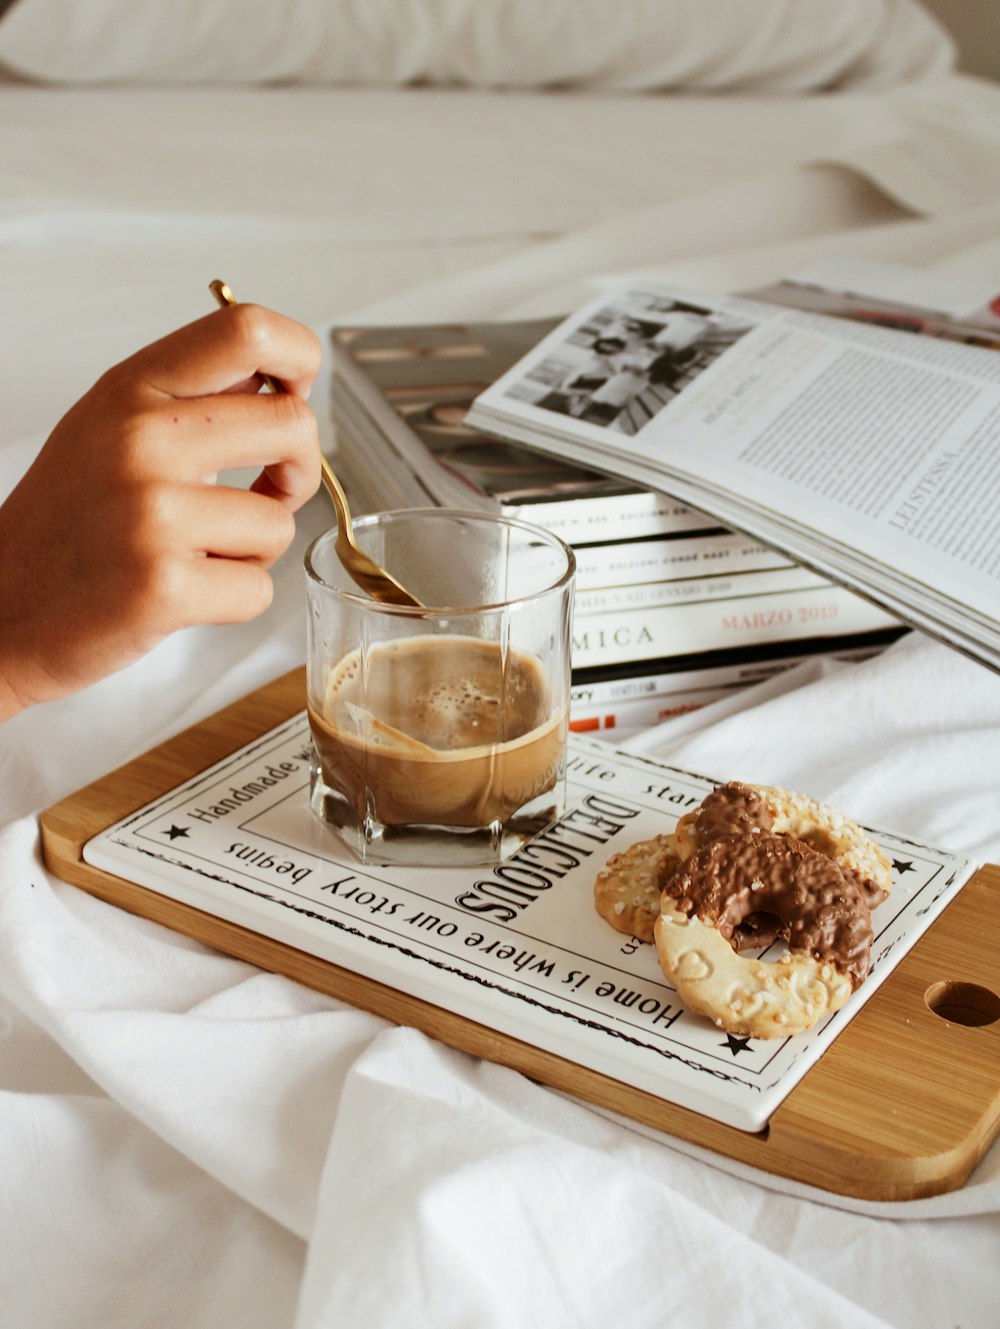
(785, 46)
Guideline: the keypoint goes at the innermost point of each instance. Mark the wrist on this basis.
(12, 700)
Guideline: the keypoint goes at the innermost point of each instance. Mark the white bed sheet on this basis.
(186, 1140)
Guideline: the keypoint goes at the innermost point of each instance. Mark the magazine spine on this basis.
(711, 554)
(638, 700)
(663, 631)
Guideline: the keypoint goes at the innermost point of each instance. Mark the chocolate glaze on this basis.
(738, 809)
(820, 907)
(731, 809)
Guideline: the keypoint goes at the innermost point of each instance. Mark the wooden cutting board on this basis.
(903, 1104)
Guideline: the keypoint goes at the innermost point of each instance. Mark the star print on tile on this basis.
(736, 1045)
(175, 832)
(900, 866)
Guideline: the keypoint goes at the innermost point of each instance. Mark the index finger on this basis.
(225, 349)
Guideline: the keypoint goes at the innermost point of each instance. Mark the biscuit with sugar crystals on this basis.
(627, 889)
(818, 906)
(743, 996)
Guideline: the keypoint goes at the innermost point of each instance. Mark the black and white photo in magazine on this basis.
(628, 360)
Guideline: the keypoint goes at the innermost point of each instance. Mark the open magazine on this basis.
(858, 449)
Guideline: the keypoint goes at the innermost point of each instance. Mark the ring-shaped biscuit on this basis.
(745, 809)
(744, 996)
(820, 909)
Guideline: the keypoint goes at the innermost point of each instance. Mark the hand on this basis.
(118, 535)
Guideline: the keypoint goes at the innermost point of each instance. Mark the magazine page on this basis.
(886, 447)
(892, 295)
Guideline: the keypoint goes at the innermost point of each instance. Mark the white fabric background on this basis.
(185, 1140)
(704, 45)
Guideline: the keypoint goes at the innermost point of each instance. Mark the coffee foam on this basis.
(444, 692)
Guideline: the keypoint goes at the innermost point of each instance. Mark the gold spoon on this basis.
(363, 570)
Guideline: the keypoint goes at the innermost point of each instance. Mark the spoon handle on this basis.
(367, 574)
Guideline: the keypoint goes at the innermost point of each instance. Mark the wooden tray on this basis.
(903, 1104)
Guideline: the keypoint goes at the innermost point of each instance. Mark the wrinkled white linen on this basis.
(416, 1184)
(187, 1140)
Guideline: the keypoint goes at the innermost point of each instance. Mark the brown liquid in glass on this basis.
(438, 731)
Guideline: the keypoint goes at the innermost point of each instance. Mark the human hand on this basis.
(118, 534)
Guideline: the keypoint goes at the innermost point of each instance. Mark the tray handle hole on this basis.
(963, 1003)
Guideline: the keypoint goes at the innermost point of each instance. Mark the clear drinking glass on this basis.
(439, 733)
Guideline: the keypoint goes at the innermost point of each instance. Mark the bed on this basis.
(185, 1139)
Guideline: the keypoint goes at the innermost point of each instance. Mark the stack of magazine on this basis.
(865, 446)
(672, 610)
